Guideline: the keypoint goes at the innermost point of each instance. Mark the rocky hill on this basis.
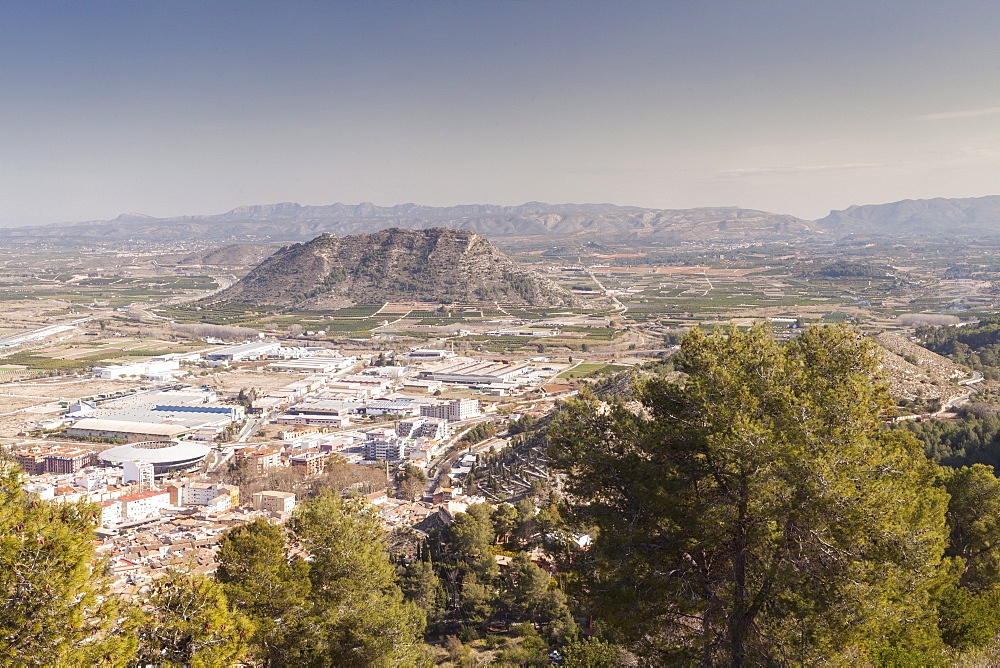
(917, 374)
(438, 264)
(235, 255)
(979, 216)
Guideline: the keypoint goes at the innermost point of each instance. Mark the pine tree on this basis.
(357, 615)
(54, 608)
(262, 581)
(187, 622)
(757, 513)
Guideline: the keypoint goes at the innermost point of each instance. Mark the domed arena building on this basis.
(166, 456)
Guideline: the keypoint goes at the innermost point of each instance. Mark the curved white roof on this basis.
(158, 452)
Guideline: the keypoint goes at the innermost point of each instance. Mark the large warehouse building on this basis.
(127, 429)
(474, 372)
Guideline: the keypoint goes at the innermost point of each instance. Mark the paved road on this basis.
(435, 463)
(976, 377)
(614, 300)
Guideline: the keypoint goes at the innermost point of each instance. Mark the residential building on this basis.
(384, 445)
(311, 460)
(144, 504)
(259, 458)
(139, 472)
(434, 429)
(200, 493)
(459, 409)
(54, 459)
(275, 502)
(111, 512)
(422, 427)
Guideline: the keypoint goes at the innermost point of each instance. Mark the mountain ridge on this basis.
(289, 222)
(938, 215)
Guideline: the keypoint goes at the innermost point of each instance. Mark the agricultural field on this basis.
(634, 299)
(590, 370)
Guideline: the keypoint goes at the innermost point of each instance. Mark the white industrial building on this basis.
(471, 372)
(128, 430)
(429, 354)
(314, 364)
(310, 420)
(391, 407)
(253, 350)
(157, 368)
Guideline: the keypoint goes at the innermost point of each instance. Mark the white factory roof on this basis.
(154, 428)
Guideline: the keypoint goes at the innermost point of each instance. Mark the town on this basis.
(160, 454)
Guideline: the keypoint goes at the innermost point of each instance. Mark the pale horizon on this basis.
(787, 107)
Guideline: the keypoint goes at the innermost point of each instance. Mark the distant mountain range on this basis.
(970, 216)
(290, 222)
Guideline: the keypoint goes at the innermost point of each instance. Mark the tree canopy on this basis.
(51, 585)
(335, 603)
(756, 513)
(187, 622)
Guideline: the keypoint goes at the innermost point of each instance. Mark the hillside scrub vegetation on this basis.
(976, 346)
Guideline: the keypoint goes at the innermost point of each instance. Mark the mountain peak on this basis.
(437, 264)
(124, 217)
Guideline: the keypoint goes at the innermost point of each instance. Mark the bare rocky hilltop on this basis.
(438, 264)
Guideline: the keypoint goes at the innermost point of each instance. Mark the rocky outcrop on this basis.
(438, 264)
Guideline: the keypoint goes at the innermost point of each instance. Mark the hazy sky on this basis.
(172, 108)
